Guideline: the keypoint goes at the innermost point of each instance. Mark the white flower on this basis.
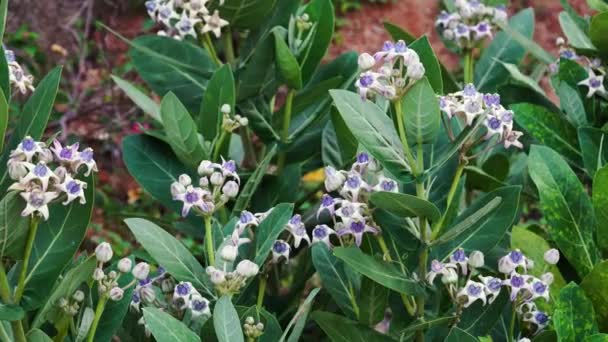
(471, 292)
(539, 289)
(328, 204)
(280, 249)
(247, 269)
(125, 265)
(511, 261)
(197, 7)
(39, 172)
(518, 283)
(86, 158)
(366, 61)
(552, 256)
(415, 71)
(386, 184)
(476, 259)
(492, 287)
(229, 253)
(166, 12)
(333, 179)
(28, 147)
(216, 276)
(67, 154)
(73, 188)
(511, 138)
(439, 268)
(595, 83)
(185, 25)
(353, 186)
(321, 233)
(103, 252)
(37, 202)
(98, 274)
(547, 278)
(450, 277)
(193, 197)
(214, 24)
(141, 271)
(199, 306)
(206, 167)
(460, 258)
(16, 169)
(297, 228)
(116, 293)
(230, 189)
(184, 180)
(357, 227)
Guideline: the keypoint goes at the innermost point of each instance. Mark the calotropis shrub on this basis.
(414, 232)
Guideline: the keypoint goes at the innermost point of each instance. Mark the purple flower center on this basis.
(388, 185)
(516, 257)
(320, 232)
(230, 166)
(539, 287)
(327, 200)
(595, 83)
(86, 155)
(494, 123)
(436, 266)
(135, 299)
(10, 56)
(491, 99)
(151, 6)
(246, 217)
(442, 102)
(459, 255)
(185, 25)
(507, 116)
(444, 15)
(296, 220)
(36, 199)
(165, 12)
(73, 187)
(347, 210)
(474, 290)
(387, 46)
(279, 247)
(183, 289)
(65, 153)
(145, 282)
(357, 227)
(40, 170)
(301, 231)
(400, 46)
(541, 318)
(567, 54)
(469, 90)
(160, 271)
(353, 181)
(517, 281)
(494, 284)
(199, 305)
(362, 157)
(366, 80)
(192, 197)
(462, 29)
(28, 144)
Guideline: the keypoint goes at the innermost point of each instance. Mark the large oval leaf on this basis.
(13, 226)
(594, 285)
(287, 63)
(598, 29)
(374, 130)
(245, 14)
(566, 207)
(143, 101)
(421, 113)
(320, 12)
(220, 91)
(594, 146)
(573, 317)
(432, 68)
(600, 205)
(226, 321)
(405, 205)
(166, 328)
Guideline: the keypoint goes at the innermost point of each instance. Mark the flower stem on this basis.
(261, 292)
(228, 47)
(208, 44)
(512, 325)
(468, 66)
(101, 304)
(26, 259)
(451, 194)
(403, 137)
(209, 241)
(217, 148)
(285, 131)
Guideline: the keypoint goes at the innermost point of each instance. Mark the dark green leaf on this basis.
(594, 146)
(478, 319)
(3, 15)
(378, 270)
(220, 91)
(523, 79)
(572, 104)
(36, 335)
(372, 300)
(458, 335)
(11, 312)
(181, 131)
(594, 285)
(269, 230)
(600, 205)
(576, 37)
(143, 101)
(421, 113)
(245, 14)
(166, 328)
(13, 226)
(299, 319)
(3, 117)
(253, 183)
(597, 31)
(432, 68)
(573, 318)
(404, 205)
(5, 83)
(226, 321)
(566, 207)
(320, 12)
(341, 329)
(528, 43)
(287, 63)
(258, 72)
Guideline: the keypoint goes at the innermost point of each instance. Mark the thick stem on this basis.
(261, 292)
(228, 47)
(285, 131)
(209, 241)
(18, 332)
(63, 326)
(217, 148)
(403, 137)
(450, 198)
(101, 304)
(511, 337)
(208, 44)
(387, 256)
(26, 259)
(5, 290)
(468, 66)
(422, 262)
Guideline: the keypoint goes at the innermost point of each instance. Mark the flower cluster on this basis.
(350, 211)
(44, 175)
(186, 297)
(471, 23)
(466, 285)
(231, 282)
(252, 329)
(390, 71)
(17, 76)
(470, 104)
(107, 284)
(185, 18)
(145, 291)
(218, 183)
(71, 306)
(230, 124)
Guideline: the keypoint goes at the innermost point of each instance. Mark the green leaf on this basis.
(11, 312)
(220, 91)
(70, 282)
(598, 29)
(573, 317)
(377, 270)
(258, 73)
(548, 128)
(600, 205)
(154, 165)
(299, 319)
(143, 101)
(320, 12)
(36, 335)
(598, 5)
(479, 319)
(245, 14)
(32, 119)
(432, 68)
(272, 328)
(572, 104)
(287, 63)
(332, 272)
(181, 131)
(167, 65)
(489, 73)
(576, 37)
(373, 299)
(253, 183)
(566, 207)
(526, 80)
(269, 229)
(166, 328)
(487, 232)
(341, 329)
(594, 285)
(3, 15)
(5, 85)
(57, 240)
(458, 335)
(13, 226)
(594, 145)
(3, 118)
(404, 205)
(421, 113)
(226, 321)
(528, 43)
(596, 337)
(374, 130)
(169, 253)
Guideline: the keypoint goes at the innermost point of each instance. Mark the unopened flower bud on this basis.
(333, 179)
(230, 189)
(217, 277)
(247, 269)
(177, 189)
(141, 271)
(249, 320)
(78, 296)
(98, 274)
(116, 293)
(450, 277)
(125, 265)
(552, 256)
(229, 253)
(112, 275)
(62, 303)
(147, 294)
(203, 182)
(559, 41)
(547, 278)
(260, 326)
(217, 178)
(205, 168)
(225, 109)
(415, 71)
(184, 180)
(103, 252)
(476, 259)
(167, 285)
(366, 61)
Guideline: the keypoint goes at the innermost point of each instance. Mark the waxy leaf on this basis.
(287, 63)
(342, 329)
(572, 104)
(245, 14)
(332, 272)
(573, 317)
(269, 230)
(377, 270)
(166, 328)
(13, 226)
(299, 319)
(181, 131)
(421, 113)
(404, 205)
(226, 321)
(5, 85)
(458, 335)
(432, 68)
(143, 101)
(169, 253)
(3, 117)
(576, 37)
(246, 193)
(11, 312)
(320, 12)
(566, 207)
(600, 205)
(372, 301)
(598, 29)
(594, 146)
(594, 285)
(220, 91)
